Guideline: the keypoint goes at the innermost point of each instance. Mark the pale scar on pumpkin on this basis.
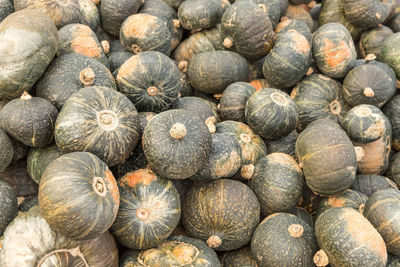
(113, 187)
(138, 26)
(283, 159)
(85, 44)
(282, 25)
(336, 202)
(335, 54)
(300, 42)
(142, 176)
(127, 68)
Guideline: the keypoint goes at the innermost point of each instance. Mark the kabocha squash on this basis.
(382, 210)
(208, 72)
(28, 43)
(20, 150)
(116, 59)
(30, 120)
(272, 8)
(303, 214)
(239, 258)
(8, 207)
(17, 176)
(6, 8)
(366, 13)
(300, 13)
(247, 30)
(224, 213)
(390, 53)
(68, 74)
(150, 80)
(277, 181)
(317, 148)
(271, 113)
(89, 14)
(150, 209)
(370, 183)
(392, 111)
(394, 22)
(98, 120)
(372, 40)
(6, 150)
(39, 158)
(78, 196)
(40, 246)
(283, 239)
(200, 14)
(176, 144)
(284, 6)
(393, 171)
(287, 24)
(347, 238)
(285, 145)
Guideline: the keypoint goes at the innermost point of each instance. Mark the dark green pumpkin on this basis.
(186, 88)
(271, 113)
(393, 171)
(28, 43)
(390, 53)
(333, 50)
(200, 14)
(287, 24)
(347, 238)
(247, 30)
(20, 150)
(382, 210)
(6, 8)
(78, 196)
(242, 257)
(98, 120)
(116, 59)
(174, 3)
(366, 13)
(212, 71)
(272, 8)
(224, 213)
(283, 239)
(394, 23)
(370, 183)
(203, 108)
(277, 181)
(300, 13)
(17, 176)
(284, 6)
(8, 207)
(372, 40)
(176, 144)
(39, 158)
(90, 14)
(303, 214)
(6, 150)
(30, 120)
(392, 111)
(318, 149)
(285, 145)
(28, 204)
(116, 46)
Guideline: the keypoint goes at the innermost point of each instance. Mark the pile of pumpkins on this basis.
(199, 133)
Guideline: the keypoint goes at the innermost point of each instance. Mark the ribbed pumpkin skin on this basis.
(89, 14)
(200, 14)
(392, 111)
(271, 113)
(333, 50)
(39, 158)
(196, 105)
(208, 72)
(293, 24)
(239, 258)
(372, 40)
(35, 39)
(224, 208)
(366, 13)
(277, 181)
(382, 209)
(62, 78)
(150, 80)
(98, 120)
(272, 8)
(6, 8)
(172, 158)
(248, 28)
(30, 121)
(285, 145)
(390, 53)
(318, 96)
(318, 149)
(78, 196)
(114, 12)
(9, 205)
(273, 245)
(150, 209)
(300, 13)
(371, 183)
(6, 151)
(233, 101)
(349, 239)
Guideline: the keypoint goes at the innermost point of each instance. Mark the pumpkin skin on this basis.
(390, 53)
(247, 30)
(287, 24)
(318, 150)
(285, 145)
(68, 74)
(6, 151)
(340, 231)
(200, 14)
(300, 13)
(277, 181)
(8, 207)
(393, 171)
(6, 8)
(174, 3)
(39, 158)
(276, 234)
(233, 101)
(239, 258)
(17, 176)
(271, 113)
(34, 40)
(98, 120)
(366, 13)
(20, 150)
(393, 23)
(207, 209)
(150, 209)
(272, 8)
(393, 261)
(28, 204)
(40, 246)
(116, 59)
(201, 107)
(392, 111)
(29, 120)
(284, 6)
(207, 71)
(371, 183)
(372, 40)
(89, 14)
(176, 144)
(78, 196)
(303, 214)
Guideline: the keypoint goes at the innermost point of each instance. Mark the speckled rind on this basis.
(6, 150)
(200, 14)
(239, 258)
(233, 101)
(8, 207)
(89, 14)
(370, 183)
(366, 13)
(6, 8)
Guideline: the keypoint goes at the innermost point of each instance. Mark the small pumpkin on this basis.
(370, 183)
(299, 26)
(6, 8)
(372, 40)
(203, 108)
(303, 214)
(200, 14)
(272, 8)
(17, 176)
(394, 22)
(6, 151)
(89, 14)
(390, 52)
(366, 13)
(285, 145)
(116, 59)
(8, 207)
(300, 13)
(392, 110)
(39, 158)
(239, 258)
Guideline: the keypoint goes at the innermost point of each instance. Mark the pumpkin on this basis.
(394, 23)
(28, 204)
(347, 238)
(366, 13)
(390, 53)
(116, 46)
(393, 171)
(298, 12)
(272, 8)
(8, 207)
(239, 258)
(6, 151)
(371, 41)
(393, 261)
(78, 196)
(174, 3)
(303, 214)
(318, 96)
(89, 14)
(38, 245)
(114, 12)
(208, 72)
(6, 8)
(186, 88)
(370, 183)
(98, 120)
(392, 111)
(224, 213)
(20, 150)
(39, 158)
(317, 148)
(150, 209)
(116, 59)
(299, 26)
(283, 239)
(36, 33)
(285, 145)
(284, 6)
(247, 30)
(277, 181)
(68, 74)
(200, 14)
(150, 80)
(309, 200)
(176, 144)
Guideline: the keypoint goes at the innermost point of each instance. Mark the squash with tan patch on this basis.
(371, 183)
(233, 101)
(366, 13)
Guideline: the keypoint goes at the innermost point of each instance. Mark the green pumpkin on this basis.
(366, 13)
(371, 183)
(34, 40)
(303, 214)
(392, 110)
(299, 26)
(284, 6)
(174, 3)
(224, 213)
(203, 108)
(8, 207)
(116, 46)
(272, 8)
(371, 41)
(200, 14)
(89, 14)
(39, 158)
(390, 53)
(283, 239)
(186, 88)
(394, 23)
(6, 150)
(285, 145)
(6, 8)
(20, 150)
(298, 12)
(242, 257)
(17, 176)
(116, 59)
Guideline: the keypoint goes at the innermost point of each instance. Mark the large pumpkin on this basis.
(7, 150)
(8, 205)
(39, 158)
(371, 183)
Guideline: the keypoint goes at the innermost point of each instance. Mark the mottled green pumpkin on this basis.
(393, 171)
(6, 8)
(203, 108)
(8, 206)
(372, 40)
(242, 257)
(200, 14)
(371, 183)
(366, 13)
(283, 239)
(299, 26)
(116, 59)
(39, 158)
(299, 12)
(392, 111)
(347, 238)
(98, 120)
(6, 150)
(224, 213)
(89, 14)
(272, 8)
(394, 23)
(28, 43)
(390, 52)
(285, 145)
(78, 196)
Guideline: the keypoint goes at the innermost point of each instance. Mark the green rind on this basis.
(233, 101)
(390, 53)
(6, 151)
(370, 183)
(39, 158)
(200, 14)
(8, 207)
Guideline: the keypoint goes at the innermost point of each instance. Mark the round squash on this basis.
(89, 14)
(272, 8)
(285, 145)
(390, 53)
(239, 258)
(200, 14)
(303, 214)
(366, 13)
(116, 59)
(299, 26)
(394, 22)
(371, 41)
(371, 183)
(39, 158)
(17, 176)
(298, 12)
(6, 8)
(6, 150)
(392, 110)
(8, 205)
(78, 196)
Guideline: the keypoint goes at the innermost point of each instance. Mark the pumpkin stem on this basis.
(106, 46)
(359, 152)
(176, 23)
(228, 42)
(370, 57)
(279, 99)
(75, 252)
(26, 96)
(263, 7)
(361, 208)
(142, 214)
(321, 259)
(210, 122)
(107, 119)
(284, 18)
(178, 131)
(99, 186)
(152, 90)
(245, 138)
(214, 241)
(182, 65)
(368, 92)
(335, 107)
(135, 49)
(310, 71)
(296, 230)
(86, 76)
(247, 171)
(217, 96)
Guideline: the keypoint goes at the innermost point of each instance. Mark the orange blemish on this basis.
(138, 25)
(85, 44)
(112, 186)
(259, 84)
(335, 54)
(127, 68)
(300, 42)
(282, 25)
(336, 202)
(142, 176)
